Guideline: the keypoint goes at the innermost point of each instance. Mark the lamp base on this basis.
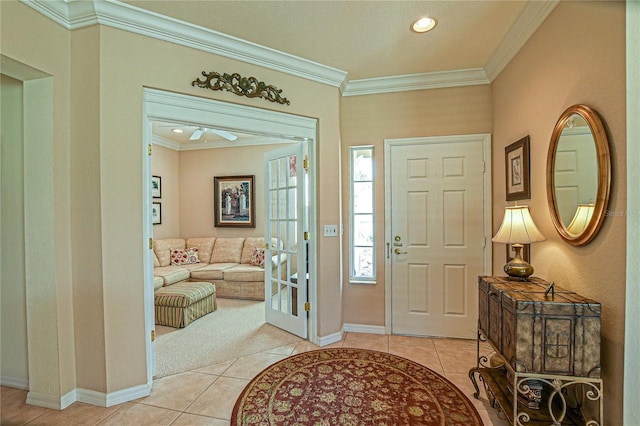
(517, 268)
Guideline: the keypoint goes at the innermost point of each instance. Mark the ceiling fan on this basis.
(199, 131)
(197, 134)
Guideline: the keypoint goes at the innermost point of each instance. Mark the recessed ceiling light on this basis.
(423, 25)
(177, 130)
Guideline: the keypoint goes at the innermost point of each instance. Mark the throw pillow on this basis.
(184, 257)
(257, 258)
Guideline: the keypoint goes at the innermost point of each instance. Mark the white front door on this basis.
(286, 222)
(437, 234)
(576, 179)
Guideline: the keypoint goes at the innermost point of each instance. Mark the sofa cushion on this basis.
(162, 248)
(213, 271)
(227, 250)
(171, 274)
(184, 257)
(244, 273)
(250, 244)
(204, 246)
(158, 282)
(193, 266)
(156, 262)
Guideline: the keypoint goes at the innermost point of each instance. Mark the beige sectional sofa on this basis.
(224, 262)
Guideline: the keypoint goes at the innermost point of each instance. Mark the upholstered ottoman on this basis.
(179, 304)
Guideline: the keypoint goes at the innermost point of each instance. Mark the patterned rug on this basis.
(343, 386)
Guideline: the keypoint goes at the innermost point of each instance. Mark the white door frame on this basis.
(485, 140)
(168, 106)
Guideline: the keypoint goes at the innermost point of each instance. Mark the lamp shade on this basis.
(581, 218)
(518, 227)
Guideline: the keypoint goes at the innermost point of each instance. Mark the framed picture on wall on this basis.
(156, 186)
(234, 201)
(517, 170)
(156, 213)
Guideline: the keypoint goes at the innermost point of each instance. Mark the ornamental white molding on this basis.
(522, 29)
(403, 83)
(74, 14)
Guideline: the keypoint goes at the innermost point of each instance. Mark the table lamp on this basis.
(583, 215)
(517, 229)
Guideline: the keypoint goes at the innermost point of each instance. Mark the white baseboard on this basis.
(87, 396)
(331, 338)
(51, 401)
(363, 328)
(114, 398)
(14, 382)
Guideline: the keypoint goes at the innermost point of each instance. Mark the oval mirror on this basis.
(578, 174)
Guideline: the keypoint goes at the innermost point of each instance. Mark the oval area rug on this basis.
(344, 386)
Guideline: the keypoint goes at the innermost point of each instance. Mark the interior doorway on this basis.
(160, 106)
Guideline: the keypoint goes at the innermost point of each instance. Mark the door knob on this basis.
(397, 251)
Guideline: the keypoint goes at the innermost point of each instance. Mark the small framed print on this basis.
(234, 201)
(156, 213)
(517, 170)
(525, 253)
(156, 186)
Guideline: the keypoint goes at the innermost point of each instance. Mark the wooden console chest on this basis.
(557, 334)
(546, 338)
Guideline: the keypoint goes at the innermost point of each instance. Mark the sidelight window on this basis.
(362, 224)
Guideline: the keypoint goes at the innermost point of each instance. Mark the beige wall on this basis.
(368, 120)
(98, 157)
(129, 63)
(197, 170)
(86, 203)
(42, 48)
(13, 365)
(576, 56)
(187, 188)
(166, 164)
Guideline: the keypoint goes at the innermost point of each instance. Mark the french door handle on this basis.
(397, 251)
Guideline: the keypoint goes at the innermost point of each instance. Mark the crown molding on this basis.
(193, 145)
(74, 14)
(402, 83)
(159, 140)
(522, 29)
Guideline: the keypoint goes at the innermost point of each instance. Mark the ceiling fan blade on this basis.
(196, 135)
(228, 136)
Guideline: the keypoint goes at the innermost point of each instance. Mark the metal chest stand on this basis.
(546, 348)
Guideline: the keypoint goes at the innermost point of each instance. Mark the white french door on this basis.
(437, 211)
(286, 222)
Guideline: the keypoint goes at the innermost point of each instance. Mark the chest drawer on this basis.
(551, 334)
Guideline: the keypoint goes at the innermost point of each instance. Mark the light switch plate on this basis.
(331, 230)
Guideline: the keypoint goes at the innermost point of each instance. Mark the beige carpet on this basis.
(235, 329)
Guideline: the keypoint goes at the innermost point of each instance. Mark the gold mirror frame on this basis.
(604, 174)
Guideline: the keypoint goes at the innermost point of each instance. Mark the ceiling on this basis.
(365, 38)
(368, 40)
(360, 46)
(164, 135)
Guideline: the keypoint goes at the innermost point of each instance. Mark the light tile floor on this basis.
(206, 396)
